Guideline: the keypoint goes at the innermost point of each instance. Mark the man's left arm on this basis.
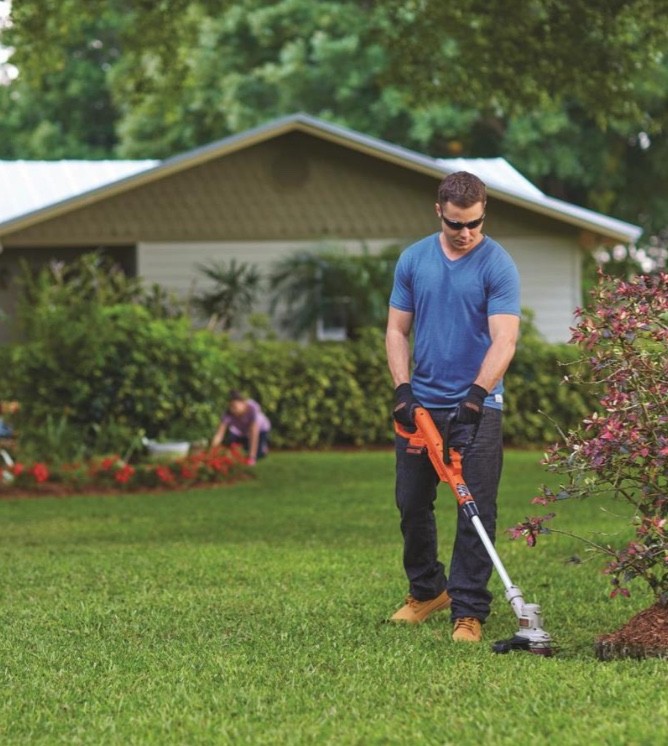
(504, 331)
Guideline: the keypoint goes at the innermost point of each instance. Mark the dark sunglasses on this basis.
(457, 226)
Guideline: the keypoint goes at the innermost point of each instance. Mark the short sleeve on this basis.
(402, 290)
(504, 295)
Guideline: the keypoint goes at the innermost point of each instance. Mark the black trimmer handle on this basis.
(452, 418)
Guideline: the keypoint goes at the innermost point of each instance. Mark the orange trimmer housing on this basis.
(447, 462)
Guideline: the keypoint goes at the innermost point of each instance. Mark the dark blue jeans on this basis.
(416, 483)
(244, 442)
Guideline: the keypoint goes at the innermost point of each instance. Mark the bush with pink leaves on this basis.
(621, 450)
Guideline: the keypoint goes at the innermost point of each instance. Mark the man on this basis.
(458, 291)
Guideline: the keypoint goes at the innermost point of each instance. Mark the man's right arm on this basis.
(397, 344)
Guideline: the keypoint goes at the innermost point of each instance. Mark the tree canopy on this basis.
(572, 92)
(513, 58)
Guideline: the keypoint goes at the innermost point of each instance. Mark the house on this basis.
(292, 183)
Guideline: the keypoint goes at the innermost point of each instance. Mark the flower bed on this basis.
(215, 466)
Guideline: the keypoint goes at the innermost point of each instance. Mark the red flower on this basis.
(124, 474)
(40, 472)
(18, 469)
(220, 464)
(237, 453)
(164, 475)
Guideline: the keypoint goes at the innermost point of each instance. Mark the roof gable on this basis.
(77, 183)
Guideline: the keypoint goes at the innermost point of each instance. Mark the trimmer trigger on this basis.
(416, 451)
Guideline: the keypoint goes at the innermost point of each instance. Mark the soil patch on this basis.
(63, 491)
(644, 636)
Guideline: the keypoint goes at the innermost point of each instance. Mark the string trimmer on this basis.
(448, 465)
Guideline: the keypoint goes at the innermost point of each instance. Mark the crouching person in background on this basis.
(244, 423)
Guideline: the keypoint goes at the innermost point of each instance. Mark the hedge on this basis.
(99, 380)
(333, 393)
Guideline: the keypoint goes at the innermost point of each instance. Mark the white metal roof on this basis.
(495, 172)
(26, 186)
(499, 175)
(31, 191)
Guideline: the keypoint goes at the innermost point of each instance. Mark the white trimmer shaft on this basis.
(530, 636)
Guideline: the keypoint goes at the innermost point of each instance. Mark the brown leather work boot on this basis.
(467, 629)
(414, 611)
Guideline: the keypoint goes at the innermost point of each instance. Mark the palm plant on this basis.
(234, 289)
(330, 284)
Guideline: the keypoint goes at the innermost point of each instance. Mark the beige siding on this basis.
(175, 265)
(549, 270)
(550, 274)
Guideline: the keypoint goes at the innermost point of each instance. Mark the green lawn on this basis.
(254, 614)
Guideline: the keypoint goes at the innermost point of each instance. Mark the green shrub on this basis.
(115, 371)
(327, 283)
(310, 392)
(57, 439)
(621, 452)
(540, 398)
(5, 364)
(109, 373)
(92, 279)
(331, 393)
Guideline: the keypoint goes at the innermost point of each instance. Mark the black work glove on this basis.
(469, 410)
(406, 404)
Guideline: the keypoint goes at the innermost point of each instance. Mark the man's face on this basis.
(462, 226)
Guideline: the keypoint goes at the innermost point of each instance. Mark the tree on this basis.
(191, 72)
(60, 106)
(573, 92)
(514, 58)
(498, 59)
(255, 60)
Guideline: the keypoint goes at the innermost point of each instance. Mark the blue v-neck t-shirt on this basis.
(451, 302)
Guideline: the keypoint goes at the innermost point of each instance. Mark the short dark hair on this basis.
(463, 189)
(235, 395)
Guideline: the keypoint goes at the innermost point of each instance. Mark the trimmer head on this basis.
(542, 647)
(531, 636)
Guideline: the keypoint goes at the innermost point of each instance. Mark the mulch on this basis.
(56, 490)
(644, 636)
